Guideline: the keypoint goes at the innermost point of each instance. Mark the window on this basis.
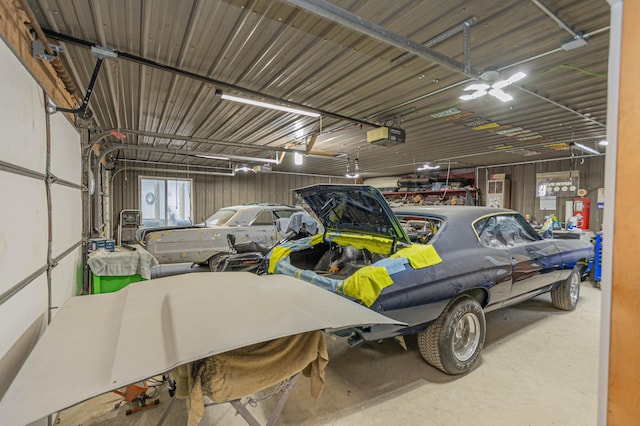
(221, 217)
(419, 229)
(165, 202)
(264, 218)
(504, 231)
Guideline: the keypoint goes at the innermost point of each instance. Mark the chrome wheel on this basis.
(466, 337)
(574, 288)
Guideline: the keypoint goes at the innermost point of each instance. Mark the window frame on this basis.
(167, 182)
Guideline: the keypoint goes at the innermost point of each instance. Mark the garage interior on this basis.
(107, 97)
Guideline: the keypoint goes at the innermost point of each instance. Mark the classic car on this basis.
(455, 264)
(203, 243)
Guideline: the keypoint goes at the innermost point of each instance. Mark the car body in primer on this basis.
(202, 243)
(437, 269)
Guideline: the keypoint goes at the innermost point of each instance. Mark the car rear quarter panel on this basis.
(419, 296)
(198, 245)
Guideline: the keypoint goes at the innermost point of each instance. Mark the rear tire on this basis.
(454, 340)
(566, 296)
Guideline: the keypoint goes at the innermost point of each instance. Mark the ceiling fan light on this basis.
(516, 77)
(477, 86)
(504, 97)
(500, 84)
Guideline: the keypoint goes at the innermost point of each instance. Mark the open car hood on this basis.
(103, 342)
(353, 208)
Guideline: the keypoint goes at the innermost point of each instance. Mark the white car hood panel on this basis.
(101, 342)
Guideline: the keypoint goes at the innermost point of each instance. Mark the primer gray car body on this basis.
(201, 242)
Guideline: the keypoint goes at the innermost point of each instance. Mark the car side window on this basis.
(512, 232)
(283, 214)
(488, 232)
(264, 218)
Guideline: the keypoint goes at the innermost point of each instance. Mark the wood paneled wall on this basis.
(523, 185)
(210, 193)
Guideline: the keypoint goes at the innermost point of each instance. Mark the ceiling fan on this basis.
(494, 89)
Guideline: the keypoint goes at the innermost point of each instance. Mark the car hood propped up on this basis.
(353, 208)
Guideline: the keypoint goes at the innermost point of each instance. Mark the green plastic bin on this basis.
(109, 284)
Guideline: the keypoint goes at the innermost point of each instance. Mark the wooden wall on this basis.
(623, 404)
(523, 185)
(210, 193)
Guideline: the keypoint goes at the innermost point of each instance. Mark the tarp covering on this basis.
(245, 371)
(419, 256)
(367, 283)
(121, 263)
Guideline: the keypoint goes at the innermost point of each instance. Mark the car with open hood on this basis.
(437, 269)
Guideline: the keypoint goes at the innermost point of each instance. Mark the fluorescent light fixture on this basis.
(429, 167)
(267, 105)
(586, 148)
(298, 159)
(603, 143)
(212, 157)
(240, 158)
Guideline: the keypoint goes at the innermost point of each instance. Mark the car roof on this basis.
(459, 232)
(457, 213)
(253, 206)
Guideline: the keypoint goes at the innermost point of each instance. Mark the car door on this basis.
(262, 229)
(535, 262)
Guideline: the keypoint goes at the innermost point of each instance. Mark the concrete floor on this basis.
(539, 366)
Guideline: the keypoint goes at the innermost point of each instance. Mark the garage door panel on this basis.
(65, 150)
(21, 310)
(66, 215)
(66, 279)
(22, 115)
(23, 241)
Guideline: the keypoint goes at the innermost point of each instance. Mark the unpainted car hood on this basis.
(102, 342)
(353, 208)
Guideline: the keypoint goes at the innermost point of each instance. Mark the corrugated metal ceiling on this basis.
(282, 51)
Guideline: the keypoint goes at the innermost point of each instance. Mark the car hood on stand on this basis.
(353, 208)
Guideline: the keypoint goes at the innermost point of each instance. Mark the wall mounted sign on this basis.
(561, 184)
(548, 203)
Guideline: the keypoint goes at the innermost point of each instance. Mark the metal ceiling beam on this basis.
(463, 26)
(557, 20)
(102, 135)
(118, 146)
(566, 108)
(217, 83)
(354, 22)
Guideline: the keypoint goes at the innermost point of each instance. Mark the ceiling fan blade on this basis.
(516, 77)
(504, 97)
(477, 86)
(504, 83)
